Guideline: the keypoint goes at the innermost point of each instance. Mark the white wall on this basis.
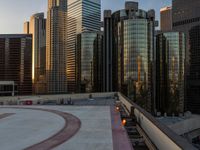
(162, 141)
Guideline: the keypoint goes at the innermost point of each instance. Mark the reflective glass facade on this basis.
(85, 60)
(132, 49)
(193, 88)
(185, 16)
(37, 28)
(107, 56)
(135, 59)
(170, 72)
(56, 74)
(16, 61)
(98, 63)
(82, 15)
(135, 52)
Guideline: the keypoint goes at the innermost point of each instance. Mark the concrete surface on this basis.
(95, 132)
(28, 127)
(81, 96)
(182, 125)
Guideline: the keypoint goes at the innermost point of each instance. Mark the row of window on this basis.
(186, 21)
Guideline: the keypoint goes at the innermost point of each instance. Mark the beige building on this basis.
(26, 27)
(166, 19)
(37, 27)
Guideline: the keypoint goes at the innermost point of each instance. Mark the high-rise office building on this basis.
(26, 27)
(56, 65)
(160, 86)
(193, 89)
(170, 72)
(166, 19)
(82, 15)
(98, 65)
(132, 36)
(16, 61)
(107, 53)
(88, 70)
(185, 15)
(37, 27)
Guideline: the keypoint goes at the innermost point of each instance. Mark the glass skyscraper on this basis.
(107, 56)
(37, 27)
(185, 16)
(56, 76)
(170, 72)
(16, 61)
(193, 88)
(135, 50)
(88, 49)
(82, 15)
(132, 32)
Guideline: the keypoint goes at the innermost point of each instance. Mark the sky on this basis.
(13, 13)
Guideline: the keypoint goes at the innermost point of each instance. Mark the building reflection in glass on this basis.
(81, 15)
(170, 72)
(88, 47)
(135, 55)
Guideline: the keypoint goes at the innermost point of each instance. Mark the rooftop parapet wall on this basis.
(55, 97)
(162, 137)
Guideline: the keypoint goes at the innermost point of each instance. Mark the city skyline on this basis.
(107, 74)
(15, 14)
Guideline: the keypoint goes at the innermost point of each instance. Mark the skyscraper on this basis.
(56, 66)
(82, 15)
(98, 65)
(88, 70)
(166, 19)
(170, 72)
(193, 89)
(107, 53)
(16, 61)
(185, 15)
(161, 71)
(26, 27)
(132, 37)
(37, 28)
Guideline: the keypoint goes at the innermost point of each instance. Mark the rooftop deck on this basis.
(82, 121)
(87, 124)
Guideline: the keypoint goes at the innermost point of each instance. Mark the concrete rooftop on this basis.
(81, 127)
